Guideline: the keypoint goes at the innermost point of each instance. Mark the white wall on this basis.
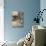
(43, 6)
(1, 21)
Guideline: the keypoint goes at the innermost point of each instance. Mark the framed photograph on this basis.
(17, 19)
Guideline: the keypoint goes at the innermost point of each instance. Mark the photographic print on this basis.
(17, 19)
